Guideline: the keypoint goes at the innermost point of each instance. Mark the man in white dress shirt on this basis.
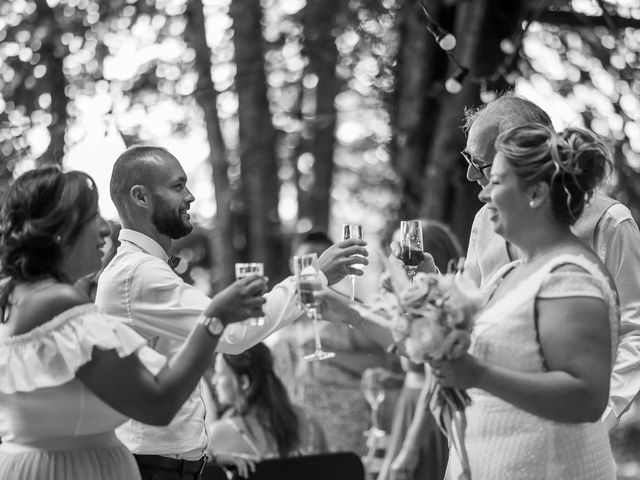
(605, 225)
(148, 187)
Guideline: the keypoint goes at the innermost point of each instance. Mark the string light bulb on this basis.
(507, 46)
(511, 77)
(454, 84)
(486, 95)
(445, 40)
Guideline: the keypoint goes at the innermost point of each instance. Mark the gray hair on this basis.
(509, 111)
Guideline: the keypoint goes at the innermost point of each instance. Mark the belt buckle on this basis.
(204, 460)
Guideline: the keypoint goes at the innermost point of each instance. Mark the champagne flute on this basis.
(305, 268)
(352, 231)
(245, 270)
(411, 246)
(373, 390)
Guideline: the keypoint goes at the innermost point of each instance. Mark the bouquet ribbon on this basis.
(448, 408)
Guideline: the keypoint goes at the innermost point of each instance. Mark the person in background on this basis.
(423, 455)
(606, 226)
(149, 189)
(262, 422)
(69, 374)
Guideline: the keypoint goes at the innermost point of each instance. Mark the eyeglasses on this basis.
(474, 163)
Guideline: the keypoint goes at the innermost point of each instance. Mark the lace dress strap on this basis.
(570, 284)
(489, 288)
(50, 354)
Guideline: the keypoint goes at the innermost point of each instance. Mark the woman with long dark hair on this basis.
(262, 423)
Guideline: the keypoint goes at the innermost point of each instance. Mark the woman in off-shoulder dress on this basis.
(69, 375)
(542, 348)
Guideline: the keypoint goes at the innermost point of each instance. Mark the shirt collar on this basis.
(143, 241)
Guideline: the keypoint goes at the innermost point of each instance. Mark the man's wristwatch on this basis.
(213, 325)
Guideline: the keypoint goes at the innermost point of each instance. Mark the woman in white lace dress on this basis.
(70, 375)
(539, 365)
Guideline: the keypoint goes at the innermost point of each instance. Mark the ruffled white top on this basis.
(40, 397)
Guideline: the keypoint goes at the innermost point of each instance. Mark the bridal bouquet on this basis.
(431, 317)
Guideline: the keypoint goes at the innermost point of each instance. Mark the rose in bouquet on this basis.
(431, 318)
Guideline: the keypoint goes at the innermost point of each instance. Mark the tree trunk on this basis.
(480, 26)
(56, 81)
(260, 182)
(206, 95)
(319, 20)
(415, 112)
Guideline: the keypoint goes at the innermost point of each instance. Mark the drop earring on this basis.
(532, 204)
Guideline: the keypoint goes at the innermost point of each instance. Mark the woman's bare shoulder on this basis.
(43, 305)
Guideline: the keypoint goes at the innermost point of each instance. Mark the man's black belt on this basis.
(173, 464)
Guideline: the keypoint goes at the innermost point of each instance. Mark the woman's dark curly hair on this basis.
(267, 396)
(44, 211)
(573, 163)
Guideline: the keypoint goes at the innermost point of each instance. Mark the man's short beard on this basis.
(168, 222)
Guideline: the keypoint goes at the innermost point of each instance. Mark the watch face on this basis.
(215, 326)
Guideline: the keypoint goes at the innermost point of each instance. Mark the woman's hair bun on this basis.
(573, 163)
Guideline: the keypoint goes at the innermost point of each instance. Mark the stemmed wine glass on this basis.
(305, 268)
(411, 246)
(373, 390)
(352, 231)
(244, 270)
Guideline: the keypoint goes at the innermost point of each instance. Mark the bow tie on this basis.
(174, 261)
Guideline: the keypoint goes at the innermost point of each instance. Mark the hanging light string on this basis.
(445, 40)
(509, 46)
